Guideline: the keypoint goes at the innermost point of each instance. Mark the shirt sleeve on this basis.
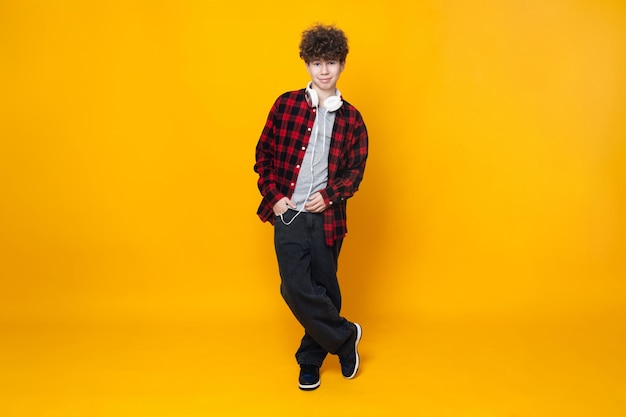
(265, 154)
(346, 183)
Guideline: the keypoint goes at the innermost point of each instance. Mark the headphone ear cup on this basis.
(333, 103)
(312, 95)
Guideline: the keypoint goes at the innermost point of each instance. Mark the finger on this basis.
(312, 203)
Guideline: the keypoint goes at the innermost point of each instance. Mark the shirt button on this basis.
(292, 184)
(298, 166)
(309, 129)
(303, 148)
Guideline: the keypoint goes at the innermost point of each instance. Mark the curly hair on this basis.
(326, 42)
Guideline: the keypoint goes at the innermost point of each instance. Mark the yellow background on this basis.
(494, 198)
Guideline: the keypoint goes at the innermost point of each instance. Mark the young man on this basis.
(310, 159)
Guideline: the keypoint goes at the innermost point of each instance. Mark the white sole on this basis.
(309, 387)
(356, 350)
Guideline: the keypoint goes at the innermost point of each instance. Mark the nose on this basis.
(324, 68)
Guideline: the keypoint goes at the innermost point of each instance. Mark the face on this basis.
(325, 74)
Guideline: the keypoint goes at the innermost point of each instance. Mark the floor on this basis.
(418, 367)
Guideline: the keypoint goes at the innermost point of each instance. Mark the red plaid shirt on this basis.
(281, 149)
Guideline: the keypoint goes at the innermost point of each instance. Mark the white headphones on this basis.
(332, 103)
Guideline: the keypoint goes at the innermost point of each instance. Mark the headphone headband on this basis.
(332, 103)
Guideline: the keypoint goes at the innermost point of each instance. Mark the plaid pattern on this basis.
(281, 149)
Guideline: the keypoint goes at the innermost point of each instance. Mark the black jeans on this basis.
(309, 285)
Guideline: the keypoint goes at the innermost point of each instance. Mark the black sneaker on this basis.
(309, 377)
(350, 362)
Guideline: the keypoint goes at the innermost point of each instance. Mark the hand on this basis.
(282, 206)
(315, 204)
